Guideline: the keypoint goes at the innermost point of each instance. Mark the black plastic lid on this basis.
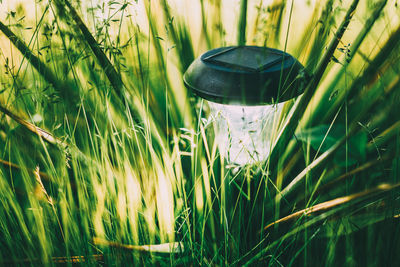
(246, 75)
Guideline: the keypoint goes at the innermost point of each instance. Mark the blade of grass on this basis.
(327, 209)
(33, 128)
(294, 184)
(323, 27)
(351, 173)
(325, 156)
(176, 247)
(111, 73)
(50, 138)
(180, 37)
(242, 23)
(369, 23)
(328, 205)
(42, 68)
(204, 25)
(286, 134)
(31, 171)
(372, 70)
(170, 96)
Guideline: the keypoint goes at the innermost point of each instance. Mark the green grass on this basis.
(106, 158)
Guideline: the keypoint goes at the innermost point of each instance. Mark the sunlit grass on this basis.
(107, 158)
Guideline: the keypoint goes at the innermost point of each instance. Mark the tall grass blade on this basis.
(41, 67)
(291, 124)
(331, 204)
(33, 128)
(242, 23)
(111, 73)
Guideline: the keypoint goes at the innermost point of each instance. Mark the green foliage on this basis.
(105, 157)
(323, 137)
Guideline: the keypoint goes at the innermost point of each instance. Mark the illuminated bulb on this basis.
(244, 133)
(240, 84)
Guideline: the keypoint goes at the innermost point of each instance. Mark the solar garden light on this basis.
(246, 88)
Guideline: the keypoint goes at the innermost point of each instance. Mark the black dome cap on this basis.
(246, 75)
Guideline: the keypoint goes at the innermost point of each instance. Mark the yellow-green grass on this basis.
(107, 159)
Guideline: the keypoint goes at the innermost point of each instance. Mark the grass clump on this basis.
(107, 159)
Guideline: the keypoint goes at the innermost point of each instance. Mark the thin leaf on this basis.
(111, 73)
(175, 247)
(291, 123)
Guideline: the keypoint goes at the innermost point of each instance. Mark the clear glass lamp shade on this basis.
(244, 133)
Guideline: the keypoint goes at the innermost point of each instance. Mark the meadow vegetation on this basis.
(106, 158)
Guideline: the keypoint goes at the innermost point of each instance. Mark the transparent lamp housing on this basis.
(244, 133)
